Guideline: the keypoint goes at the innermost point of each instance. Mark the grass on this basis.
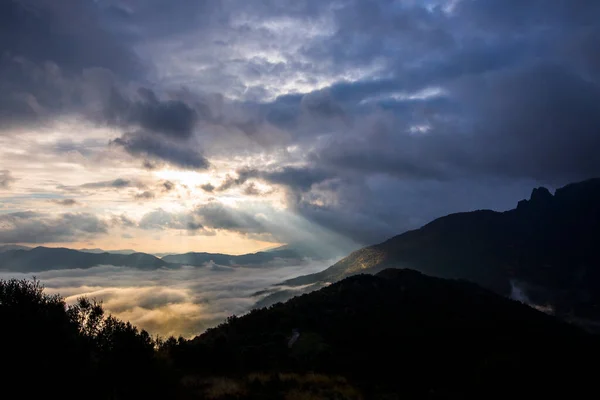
(285, 386)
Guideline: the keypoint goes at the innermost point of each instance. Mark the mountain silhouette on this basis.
(401, 332)
(547, 246)
(7, 247)
(48, 258)
(25, 259)
(100, 251)
(280, 255)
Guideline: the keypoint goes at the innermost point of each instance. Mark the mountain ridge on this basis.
(41, 258)
(47, 258)
(118, 251)
(436, 331)
(260, 257)
(546, 244)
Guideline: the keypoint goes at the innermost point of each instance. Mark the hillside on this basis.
(402, 333)
(253, 259)
(46, 258)
(8, 247)
(547, 246)
(398, 334)
(100, 251)
(24, 259)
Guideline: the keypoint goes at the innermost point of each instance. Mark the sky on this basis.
(233, 126)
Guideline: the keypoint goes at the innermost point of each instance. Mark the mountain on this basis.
(8, 247)
(396, 335)
(292, 253)
(46, 258)
(316, 249)
(100, 251)
(280, 255)
(547, 248)
(400, 334)
(161, 255)
(25, 259)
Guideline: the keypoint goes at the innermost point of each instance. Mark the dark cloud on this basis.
(48, 50)
(207, 187)
(150, 146)
(231, 181)
(300, 178)
(33, 227)
(67, 33)
(161, 219)
(145, 195)
(118, 183)
(64, 59)
(320, 103)
(151, 165)
(172, 118)
(296, 178)
(168, 186)
(6, 179)
(123, 220)
(206, 218)
(158, 129)
(252, 190)
(542, 122)
(217, 216)
(65, 202)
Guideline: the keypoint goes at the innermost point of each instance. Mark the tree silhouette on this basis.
(74, 350)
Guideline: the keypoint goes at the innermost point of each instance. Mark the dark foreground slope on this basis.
(401, 333)
(548, 245)
(396, 335)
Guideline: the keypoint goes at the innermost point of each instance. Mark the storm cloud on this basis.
(362, 118)
(171, 118)
(33, 227)
(149, 146)
(65, 202)
(47, 50)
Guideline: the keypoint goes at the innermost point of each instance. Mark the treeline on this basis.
(76, 351)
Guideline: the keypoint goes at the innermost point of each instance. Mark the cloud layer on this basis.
(183, 301)
(357, 119)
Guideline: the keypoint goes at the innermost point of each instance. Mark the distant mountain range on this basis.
(547, 248)
(8, 247)
(26, 259)
(100, 251)
(260, 258)
(47, 258)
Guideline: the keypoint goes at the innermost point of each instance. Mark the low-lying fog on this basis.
(184, 301)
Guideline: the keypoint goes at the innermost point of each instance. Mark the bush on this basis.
(74, 351)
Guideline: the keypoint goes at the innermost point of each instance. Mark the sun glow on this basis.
(192, 179)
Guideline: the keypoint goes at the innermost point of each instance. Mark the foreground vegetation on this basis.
(399, 334)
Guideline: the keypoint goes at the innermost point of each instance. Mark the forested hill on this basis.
(548, 246)
(399, 334)
(403, 333)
